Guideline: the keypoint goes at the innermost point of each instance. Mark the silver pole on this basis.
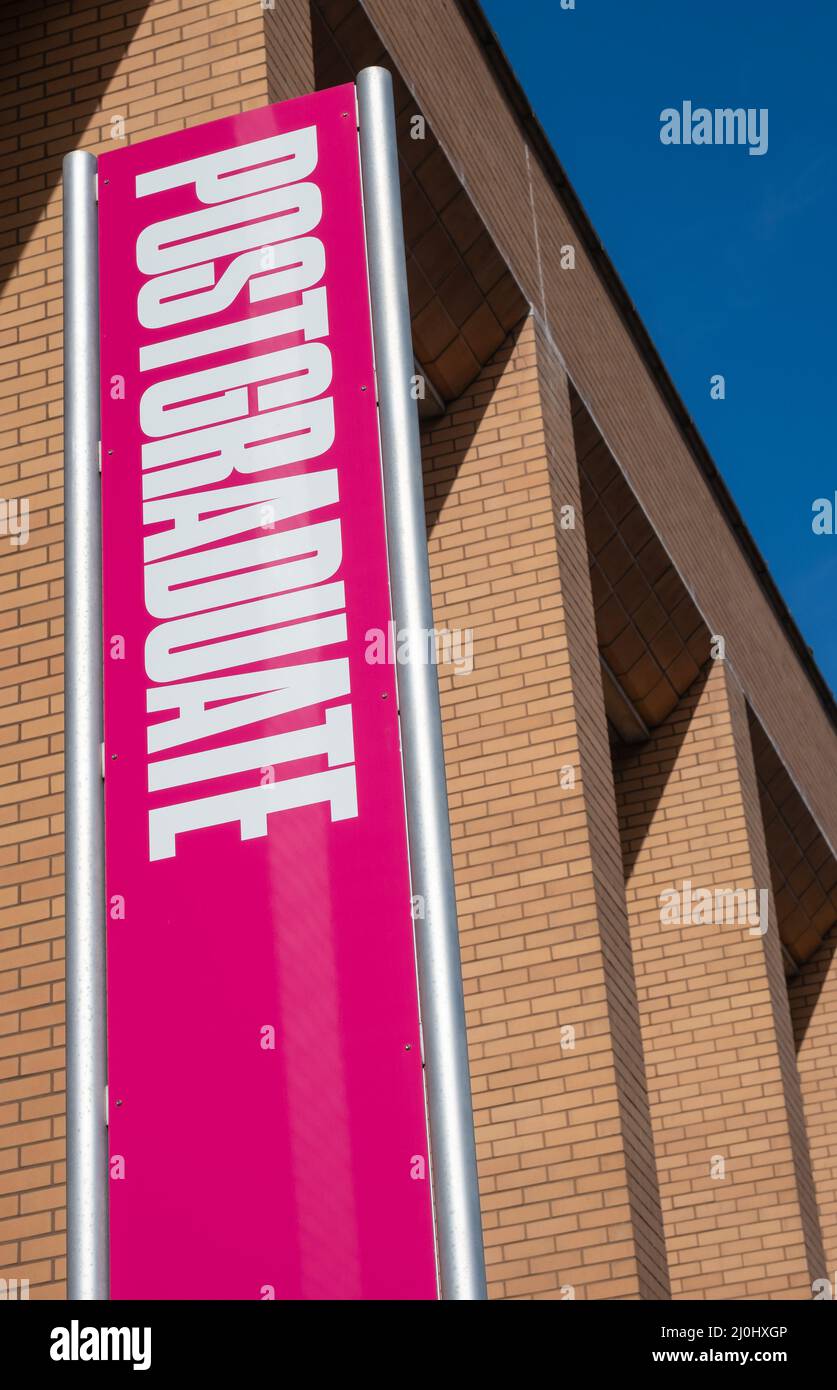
(87, 1210)
(453, 1153)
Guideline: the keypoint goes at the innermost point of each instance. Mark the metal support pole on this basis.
(453, 1153)
(87, 1171)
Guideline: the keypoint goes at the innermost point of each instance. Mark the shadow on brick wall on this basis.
(638, 804)
(58, 61)
(817, 976)
(447, 440)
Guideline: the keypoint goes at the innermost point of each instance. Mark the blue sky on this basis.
(729, 258)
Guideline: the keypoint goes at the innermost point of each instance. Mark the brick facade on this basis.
(813, 1000)
(614, 1057)
(732, 1155)
(566, 1160)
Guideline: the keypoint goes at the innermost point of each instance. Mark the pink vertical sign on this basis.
(267, 1120)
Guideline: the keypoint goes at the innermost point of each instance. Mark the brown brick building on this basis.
(655, 1100)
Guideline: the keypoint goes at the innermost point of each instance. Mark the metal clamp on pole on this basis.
(453, 1152)
(87, 1172)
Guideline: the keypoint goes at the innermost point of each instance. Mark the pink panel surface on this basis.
(267, 1117)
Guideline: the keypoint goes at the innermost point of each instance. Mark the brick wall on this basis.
(566, 1134)
(288, 49)
(539, 879)
(813, 1001)
(81, 75)
(715, 1021)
